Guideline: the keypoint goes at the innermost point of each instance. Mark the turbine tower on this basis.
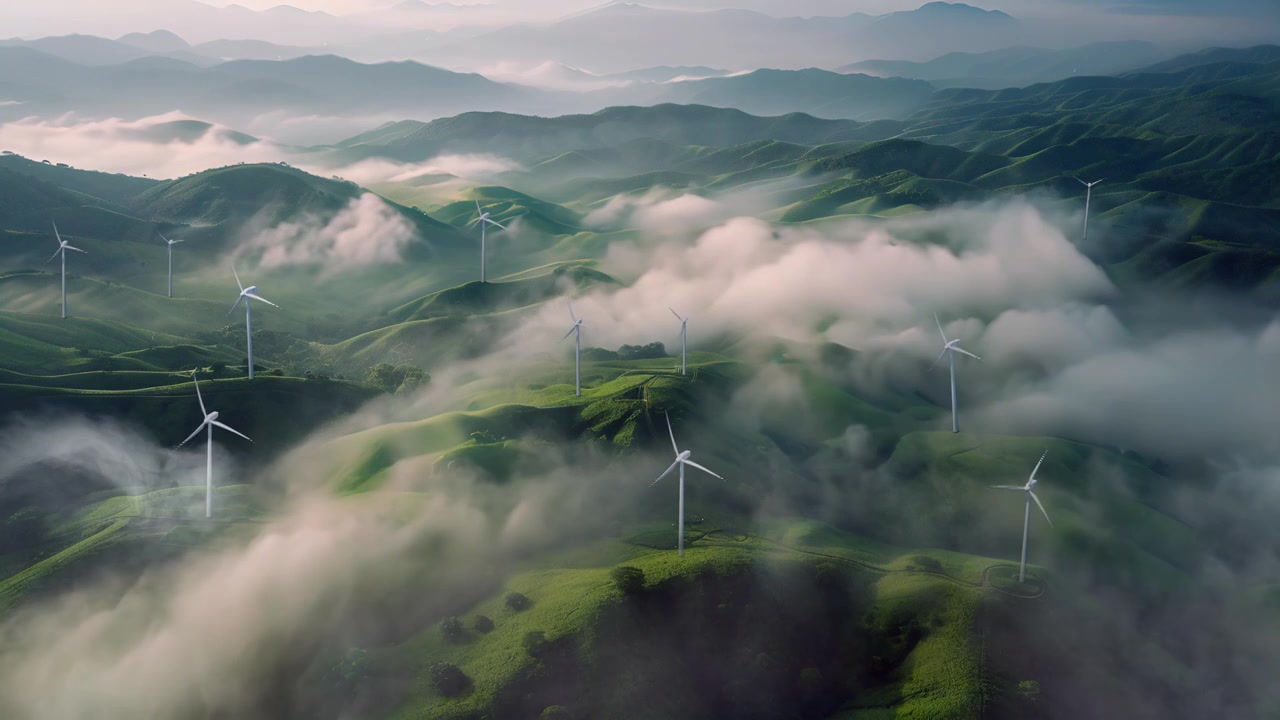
(483, 219)
(63, 247)
(247, 294)
(210, 419)
(951, 347)
(1088, 195)
(577, 355)
(684, 337)
(1026, 518)
(170, 243)
(682, 459)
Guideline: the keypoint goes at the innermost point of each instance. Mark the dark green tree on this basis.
(483, 624)
(452, 630)
(518, 601)
(449, 679)
(642, 352)
(627, 579)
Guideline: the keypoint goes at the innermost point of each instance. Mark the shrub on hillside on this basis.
(483, 624)
(396, 378)
(452, 630)
(1029, 691)
(518, 601)
(628, 579)
(924, 562)
(449, 679)
(642, 352)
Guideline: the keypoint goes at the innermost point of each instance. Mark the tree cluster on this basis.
(396, 379)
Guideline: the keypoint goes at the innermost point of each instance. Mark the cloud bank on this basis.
(365, 232)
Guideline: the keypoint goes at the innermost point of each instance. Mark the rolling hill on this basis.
(853, 564)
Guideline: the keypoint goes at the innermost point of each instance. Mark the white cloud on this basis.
(365, 232)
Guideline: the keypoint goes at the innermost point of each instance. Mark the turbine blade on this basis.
(673, 312)
(575, 317)
(236, 305)
(1037, 467)
(175, 242)
(665, 473)
(1009, 487)
(233, 272)
(940, 332)
(671, 432)
(1095, 182)
(197, 432)
(966, 352)
(77, 249)
(478, 210)
(691, 463)
(56, 233)
(566, 335)
(256, 296)
(198, 397)
(228, 427)
(55, 254)
(167, 240)
(935, 362)
(1046, 515)
(495, 222)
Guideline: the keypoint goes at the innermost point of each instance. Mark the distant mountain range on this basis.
(621, 36)
(1018, 66)
(197, 21)
(525, 136)
(231, 92)
(235, 93)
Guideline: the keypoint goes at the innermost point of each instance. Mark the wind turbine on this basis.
(1026, 519)
(210, 419)
(951, 347)
(484, 221)
(63, 247)
(247, 294)
(170, 243)
(684, 337)
(1088, 194)
(577, 356)
(682, 459)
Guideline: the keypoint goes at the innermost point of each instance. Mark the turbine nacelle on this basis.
(684, 455)
(211, 416)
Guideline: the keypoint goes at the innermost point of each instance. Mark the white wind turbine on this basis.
(63, 247)
(247, 294)
(951, 347)
(210, 419)
(684, 337)
(682, 459)
(1088, 195)
(170, 243)
(1026, 520)
(483, 219)
(577, 355)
